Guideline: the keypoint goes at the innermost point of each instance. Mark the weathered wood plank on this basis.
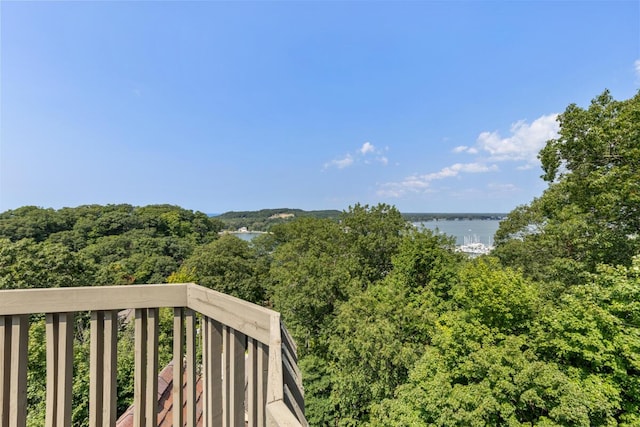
(226, 388)
(252, 382)
(288, 358)
(5, 366)
(18, 372)
(292, 404)
(250, 319)
(290, 382)
(96, 369)
(190, 323)
(151, 405)
(206, 370)
(236, 377)
(289, 343)
(275, 386)
(215, 374)
(263, 372)
(57, 300)
(278, 415)
(140, 369)
(65, 368)
(212, 375)
(52, 327)
(178, 365)
(110, 364)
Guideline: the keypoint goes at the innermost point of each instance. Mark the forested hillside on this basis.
(394, 328)
(264, 219)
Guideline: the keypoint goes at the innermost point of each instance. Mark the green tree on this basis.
(374, 234)
(30, 222)
(28, 264)
(311, 273)
(379, 334)
(227, 265)
(590, 214)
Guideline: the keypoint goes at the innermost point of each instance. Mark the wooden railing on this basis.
(241, 342)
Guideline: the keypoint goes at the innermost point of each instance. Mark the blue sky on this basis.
(218, 106)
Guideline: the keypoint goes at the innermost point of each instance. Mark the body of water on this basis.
(473, 230)
(247, 235)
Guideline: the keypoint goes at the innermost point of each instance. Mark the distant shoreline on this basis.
(243, 232)
(423, 217)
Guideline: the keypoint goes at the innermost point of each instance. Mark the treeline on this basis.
(114, 244)
(421, 217)
(264, 219)
(394, 328)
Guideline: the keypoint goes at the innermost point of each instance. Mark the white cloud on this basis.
(524, 143)
(421, 183)
(521, 145)
(636, 65)
(340, 163)
(456, 169)
(460, 149)
(367, 147)
(366, 154)
(465, 149)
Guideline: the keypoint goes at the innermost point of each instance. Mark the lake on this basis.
(476, 230)
(247, 235)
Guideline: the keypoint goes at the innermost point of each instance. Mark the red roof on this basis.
(165, 401)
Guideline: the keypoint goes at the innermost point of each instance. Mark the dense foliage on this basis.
(264, 219)
(395, 328)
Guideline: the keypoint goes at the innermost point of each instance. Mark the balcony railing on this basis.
(243, 345)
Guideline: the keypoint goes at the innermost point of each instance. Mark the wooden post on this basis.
(140, 373)
(5, 366)
(212, 374)
(235, 384)
(191, 367)
(151, 388)
(96, 369)
(178, 365)
(18, 372)
(110, 364)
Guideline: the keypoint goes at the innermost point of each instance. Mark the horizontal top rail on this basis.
(250, 319)
(61, 300)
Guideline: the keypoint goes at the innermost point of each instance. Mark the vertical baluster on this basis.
(235, 358)
(5, 366)
(212, 374)
(59, 339)
(262, 373)
(140, 373)
(52, 328)
(205, 368)
(252, 377)
(152, 368)
(96, 369)
(190, 323)
(110, 364)
(226, 387)
(18, 372)
(178, 366)
(65, 368)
